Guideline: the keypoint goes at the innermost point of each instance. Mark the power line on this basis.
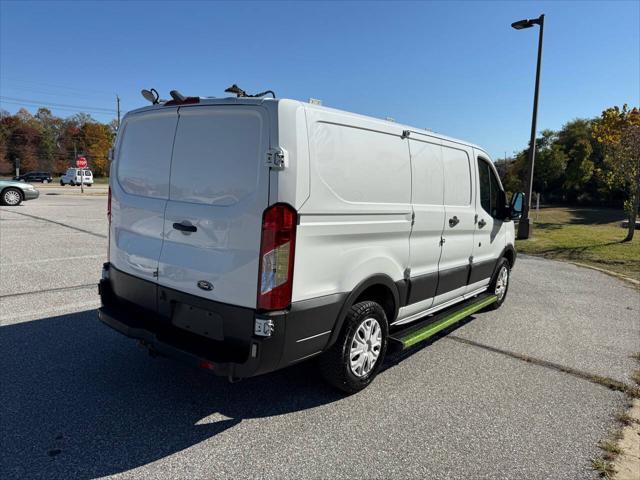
(57, 105)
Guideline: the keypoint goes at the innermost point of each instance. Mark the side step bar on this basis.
(417, 332)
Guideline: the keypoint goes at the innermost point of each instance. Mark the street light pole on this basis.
(524, 227)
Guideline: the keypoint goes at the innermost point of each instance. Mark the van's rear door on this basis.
(140, 189)
(219, 189)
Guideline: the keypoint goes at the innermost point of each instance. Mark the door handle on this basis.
(481, 223)
(185, 227)
(454, 221)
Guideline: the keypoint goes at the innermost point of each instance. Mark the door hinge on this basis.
(276, 158)
(413, 218)
(405, 134)
(441, 241)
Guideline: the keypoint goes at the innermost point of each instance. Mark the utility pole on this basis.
(118, 108)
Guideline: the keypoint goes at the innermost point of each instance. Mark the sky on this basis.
(455, 67)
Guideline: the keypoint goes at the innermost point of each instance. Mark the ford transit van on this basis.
(247, 235)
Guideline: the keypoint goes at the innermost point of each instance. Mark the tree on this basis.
(98, 140)
(618, 130)
(50, 129)
(575, 139)
(551, 162)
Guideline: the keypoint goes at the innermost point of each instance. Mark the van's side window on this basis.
(489, 188)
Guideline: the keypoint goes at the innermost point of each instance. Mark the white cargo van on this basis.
(77, 176)
(247, 235)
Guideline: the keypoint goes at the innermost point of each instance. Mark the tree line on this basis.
(45, 142)
(588, 161)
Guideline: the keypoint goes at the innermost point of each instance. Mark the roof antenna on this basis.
(236, 90)
(151, 95)
(177, 96)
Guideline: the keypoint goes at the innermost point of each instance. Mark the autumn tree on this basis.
(97, 140)
(24, 140)
(618, 130)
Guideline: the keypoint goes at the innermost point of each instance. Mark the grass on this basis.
(625, 419)
(591, 236)
(603, 467)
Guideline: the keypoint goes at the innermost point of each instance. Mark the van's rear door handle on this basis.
(185, 227)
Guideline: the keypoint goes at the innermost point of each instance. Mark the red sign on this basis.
(81, 162)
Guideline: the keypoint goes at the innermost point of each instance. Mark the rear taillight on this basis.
(277, 249)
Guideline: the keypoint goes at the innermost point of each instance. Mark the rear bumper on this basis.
(225, 342)
(31, 194)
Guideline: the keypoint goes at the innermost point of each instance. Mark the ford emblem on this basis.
(204, 285)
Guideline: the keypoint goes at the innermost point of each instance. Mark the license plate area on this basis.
(197, 320)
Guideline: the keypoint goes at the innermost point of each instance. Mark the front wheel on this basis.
(357, 356)
(11, 197)
(500, 283)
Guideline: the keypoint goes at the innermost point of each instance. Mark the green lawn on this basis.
(592, 236)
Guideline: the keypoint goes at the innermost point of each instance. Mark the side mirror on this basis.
(515, 208)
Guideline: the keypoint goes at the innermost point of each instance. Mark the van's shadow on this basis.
(80, 401)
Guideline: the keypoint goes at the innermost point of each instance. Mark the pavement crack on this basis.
(89, 232)
(608, 382)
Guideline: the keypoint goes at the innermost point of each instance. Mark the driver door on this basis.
(489, 237)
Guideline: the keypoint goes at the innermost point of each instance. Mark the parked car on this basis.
(360, 235)
(44, 177)
(13, 192)
(76, 176)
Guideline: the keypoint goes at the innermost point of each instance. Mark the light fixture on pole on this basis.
(524, 227)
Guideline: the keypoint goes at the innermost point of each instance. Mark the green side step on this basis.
(447, 319)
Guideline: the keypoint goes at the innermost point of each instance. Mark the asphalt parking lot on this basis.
(81, 401)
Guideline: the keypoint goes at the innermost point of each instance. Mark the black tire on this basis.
(335, 363)
(61, 183)
(72, 183)
(11, 197)
(503, 264)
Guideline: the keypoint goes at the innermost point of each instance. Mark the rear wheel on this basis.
(11, 197)
(500, 283)
(61, 183)
(72, 183)
(357, 356)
